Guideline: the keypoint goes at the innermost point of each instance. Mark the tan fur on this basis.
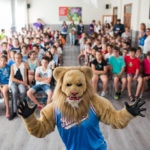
(75, 75)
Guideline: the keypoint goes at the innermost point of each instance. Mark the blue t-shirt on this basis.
(117, 64)
(85, 136)
(10, 62)
(4, 75)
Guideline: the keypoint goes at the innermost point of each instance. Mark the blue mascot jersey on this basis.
(85, 136)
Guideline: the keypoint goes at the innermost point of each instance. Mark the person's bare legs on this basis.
(79, 58)
(104, 79)
(5, 95)
(30, 94)
(116, 81)
(139, 86)
(49, 96)
(129, 80)
(94, 82)
(124, 84)
(145, 79)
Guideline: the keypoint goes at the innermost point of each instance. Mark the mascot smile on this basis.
(77, 111)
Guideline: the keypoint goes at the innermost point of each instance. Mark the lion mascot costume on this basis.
(76, 111)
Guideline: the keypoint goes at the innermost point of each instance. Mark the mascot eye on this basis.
(79, 84)
(69, 84)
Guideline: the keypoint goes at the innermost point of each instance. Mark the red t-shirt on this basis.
(132, 64)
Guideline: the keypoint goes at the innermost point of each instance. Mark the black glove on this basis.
(24, 110)
(136, 109)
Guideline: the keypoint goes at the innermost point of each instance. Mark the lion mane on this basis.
(61, 75)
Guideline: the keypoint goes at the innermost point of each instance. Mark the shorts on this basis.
(146, 75)
(41, 87)
(131, 75)
(123, 75)
(102, 75)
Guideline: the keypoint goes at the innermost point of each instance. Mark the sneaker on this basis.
(116, 96)
(141, 97)
(12, 116)
(103, 94)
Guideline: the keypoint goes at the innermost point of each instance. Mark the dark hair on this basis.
(50, 58)
(148, 53)
(116, 48)
(132, 49)
(119, 20)
(4, 43)
(54, 47)
(139, 48)
(143, 24)
(46, 58)
(24, 46)
(4, 52)
(19, 54)
(4, 56)
(110, 45)
(35, 45)
(89, 44)
(46, 43)
(30, 53)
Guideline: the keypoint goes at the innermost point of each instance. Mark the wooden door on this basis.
(115, 13)
(127, 15)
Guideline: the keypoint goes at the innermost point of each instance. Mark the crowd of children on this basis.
(28, 58)
(111, 57)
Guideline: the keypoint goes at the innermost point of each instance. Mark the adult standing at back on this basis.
(80, 29)
(39, 25)
(146, 47)
(72, 32)
(142, 34)
(91, 27)
(64, 29)
(118, 28)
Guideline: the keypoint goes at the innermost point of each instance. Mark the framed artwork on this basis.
(70, 13)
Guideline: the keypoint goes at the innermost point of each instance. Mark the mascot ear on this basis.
(59, 72)
(87, 71)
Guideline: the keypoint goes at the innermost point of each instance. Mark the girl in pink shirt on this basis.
(146, 70)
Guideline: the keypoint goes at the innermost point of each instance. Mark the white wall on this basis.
(48, 9)
(91, 9)
(5, 15)
(140, 11)
(20, 13)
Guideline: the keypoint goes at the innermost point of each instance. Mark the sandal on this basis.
(136, 98)
(131, 98)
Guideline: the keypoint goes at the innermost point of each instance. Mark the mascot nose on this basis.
(74, 93)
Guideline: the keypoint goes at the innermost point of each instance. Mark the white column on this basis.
(13, 25)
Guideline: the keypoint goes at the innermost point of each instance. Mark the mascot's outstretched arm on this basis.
(76, 111)
(37, 127)
(117, 119)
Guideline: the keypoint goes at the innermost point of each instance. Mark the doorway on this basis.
(115, 15)
(127, 15)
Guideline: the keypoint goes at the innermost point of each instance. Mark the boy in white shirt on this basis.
(43, 76)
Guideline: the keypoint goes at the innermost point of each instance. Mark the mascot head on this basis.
(73, 91)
